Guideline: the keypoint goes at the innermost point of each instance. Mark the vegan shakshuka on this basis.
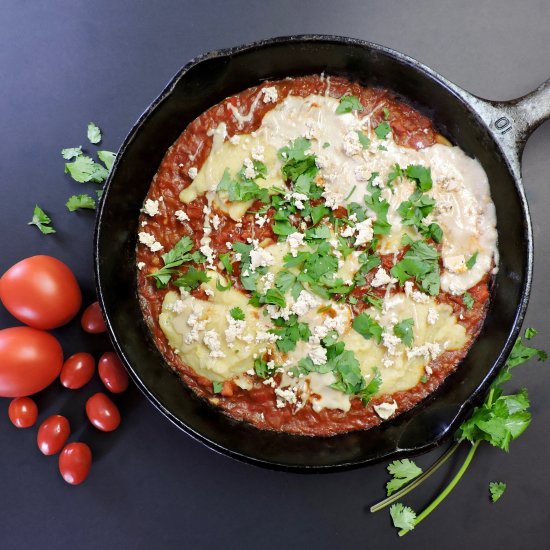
(314, 257)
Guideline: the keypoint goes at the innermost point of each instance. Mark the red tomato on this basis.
(77, 370)
(41, 291)
(23, 412)
(53, 434)
(75, 461)
(103, 413)
(112, 372)
(92, 320)
(30, 360)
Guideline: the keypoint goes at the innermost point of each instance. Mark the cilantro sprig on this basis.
(500, 419)
(42, 221)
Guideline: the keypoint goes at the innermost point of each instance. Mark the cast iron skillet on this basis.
(492, 132)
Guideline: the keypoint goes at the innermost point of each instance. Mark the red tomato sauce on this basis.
(258, 405)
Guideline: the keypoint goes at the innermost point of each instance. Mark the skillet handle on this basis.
(512, 122)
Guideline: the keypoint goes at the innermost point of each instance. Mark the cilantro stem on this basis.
(426, 512)
(419, 480)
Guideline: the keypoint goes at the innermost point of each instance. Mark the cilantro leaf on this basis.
(107, 158)
(367, 327)
(379, 206)
(386, 112)
(226, 262)
(468, 300)
(80, 201)
(402, 472)
(349, 103)
(472, 260)
(191, 279)
(421, 261)
(420, 174)
(402, 516)
(42, 221)
(84, 169)
(273, 296)
(241, 189)
(237, 313)
(94, 133)
(284, 280)
(371, 388)
(217, 387)
(71, 152)
(530, 333)
(290, 331)
(496, 489)
(374, 301)
(363, 140)
(382, 130)
(318, 213)
(404, 331)
(262, 369)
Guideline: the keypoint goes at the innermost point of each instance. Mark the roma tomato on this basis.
(112, 372)
(41, 292)
(53, 434)
(92, 320)
(102, 412)
(75, 462)
(30, 360)
(77, 370)
(23, 412)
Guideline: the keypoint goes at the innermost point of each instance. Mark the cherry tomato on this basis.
(30, 360)
(75, 461)
(92, 320)
(41, 291)
(23, 412)
(103, 413)
(53, 434)
(112, 372)
(77, 370)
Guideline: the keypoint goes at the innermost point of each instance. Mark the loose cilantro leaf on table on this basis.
(530, 333)
(496, 489)
(94, 133)
(107, 158)
(402, 472)
(237, 313)
(349, 103)
(77, 202)
(382, 130)
(84, 169)
(404, 331)
(367, 327)
(42, 221)
(71, 152)
(402, 516)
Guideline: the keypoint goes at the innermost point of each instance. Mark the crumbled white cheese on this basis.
(364, 232)
(390, 341)
(249, 171)
(212, 341)
(234, 140)
(260, 220)
(181, 216)
(193, 171)
(266, 282)
(259, 257)
(295, 240)
(318, 355)
(270, 94)
(349, 231)
(385, 410)
(351, 144)
(140, 265)
(429, 350)
(151, 207)
(215, 221)
(299, 199)
(149, 241)
(433, 316)
(332, 199)
(286, 396)
(258, 153)
(305, 302)
(381, 278)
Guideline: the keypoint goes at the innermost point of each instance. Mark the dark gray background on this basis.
(65, 63)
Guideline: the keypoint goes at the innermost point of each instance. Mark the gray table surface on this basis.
(63, 63)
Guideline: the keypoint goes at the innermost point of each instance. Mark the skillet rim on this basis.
(476, 106)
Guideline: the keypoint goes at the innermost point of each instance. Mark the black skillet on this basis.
(492, 132)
